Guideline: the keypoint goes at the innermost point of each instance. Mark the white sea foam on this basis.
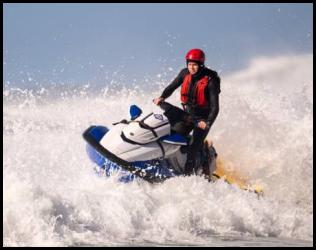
(264, 131)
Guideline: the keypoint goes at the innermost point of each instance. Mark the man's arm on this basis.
(174, 84)
(214, 90)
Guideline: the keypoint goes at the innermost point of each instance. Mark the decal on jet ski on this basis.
(158, 116)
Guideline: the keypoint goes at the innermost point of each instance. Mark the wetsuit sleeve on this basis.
(174, 84)
(214, 90)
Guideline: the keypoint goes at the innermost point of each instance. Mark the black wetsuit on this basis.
(194, 113)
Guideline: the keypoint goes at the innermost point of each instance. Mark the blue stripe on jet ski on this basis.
(175, 139)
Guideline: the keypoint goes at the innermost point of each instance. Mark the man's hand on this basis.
(157, 101)
(202, 125)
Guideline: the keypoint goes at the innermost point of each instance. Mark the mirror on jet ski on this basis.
(135, 112)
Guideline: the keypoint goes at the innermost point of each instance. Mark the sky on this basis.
(93, 43)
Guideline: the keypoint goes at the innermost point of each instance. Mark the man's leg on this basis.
(198, 140)
(176, 114)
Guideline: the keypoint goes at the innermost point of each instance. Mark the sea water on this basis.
(52, 196)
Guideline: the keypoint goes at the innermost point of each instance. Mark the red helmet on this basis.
(195, 55)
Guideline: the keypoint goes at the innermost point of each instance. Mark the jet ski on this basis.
(151, 147)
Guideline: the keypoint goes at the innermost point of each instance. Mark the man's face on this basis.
(193, 67)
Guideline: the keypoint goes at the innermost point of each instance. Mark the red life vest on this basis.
(199, 95)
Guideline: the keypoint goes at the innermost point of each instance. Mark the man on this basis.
(200, 88)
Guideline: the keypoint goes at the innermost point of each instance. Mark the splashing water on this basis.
(52, 197)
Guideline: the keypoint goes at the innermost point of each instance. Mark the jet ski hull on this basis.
(155, 170)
